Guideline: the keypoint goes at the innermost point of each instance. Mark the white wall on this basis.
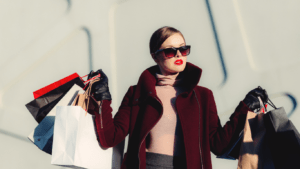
(43, 41)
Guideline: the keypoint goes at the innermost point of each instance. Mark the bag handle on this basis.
(263, 108)
(87, 93)
(271, 104)
(87, 81)
(268, 102)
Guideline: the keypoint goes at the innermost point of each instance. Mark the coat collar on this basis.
(147, 80)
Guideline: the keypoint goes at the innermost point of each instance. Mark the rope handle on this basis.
(265, 106)
(87, 93)
(271, 104)
(87, 81)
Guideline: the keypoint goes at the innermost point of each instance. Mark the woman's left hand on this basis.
(100, 88)
(251, 99)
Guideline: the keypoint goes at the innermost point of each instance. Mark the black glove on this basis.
(251, 99)
(100, 88)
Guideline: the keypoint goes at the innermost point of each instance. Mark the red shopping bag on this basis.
(52, 86)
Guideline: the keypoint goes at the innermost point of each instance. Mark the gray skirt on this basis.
(161, 161)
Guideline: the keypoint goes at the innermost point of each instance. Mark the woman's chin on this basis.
(180, 68)
(172, 69)
(175, 70)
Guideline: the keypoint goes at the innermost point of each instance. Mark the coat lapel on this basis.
(150, 105)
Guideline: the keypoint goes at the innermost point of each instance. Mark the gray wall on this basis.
(238, 44)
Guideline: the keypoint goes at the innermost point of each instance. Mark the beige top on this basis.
(166, 136)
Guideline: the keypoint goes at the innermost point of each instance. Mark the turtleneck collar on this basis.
(168, 80)
(147, 80)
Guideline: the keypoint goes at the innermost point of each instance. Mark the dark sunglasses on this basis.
(171, 52)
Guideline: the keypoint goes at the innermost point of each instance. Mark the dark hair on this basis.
(160, 35)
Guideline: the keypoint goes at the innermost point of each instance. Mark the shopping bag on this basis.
(233, 150)
(283, 139)
(75, 142)
(52, 86)
(254, 151)
(40, 107)
(42, 136)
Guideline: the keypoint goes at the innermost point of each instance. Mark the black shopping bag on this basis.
(283, 139)
(40, 107)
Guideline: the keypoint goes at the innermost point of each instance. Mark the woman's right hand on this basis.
(100, 88)
(251, 99)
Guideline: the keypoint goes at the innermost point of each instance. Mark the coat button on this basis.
(136, 100)
(150, 92)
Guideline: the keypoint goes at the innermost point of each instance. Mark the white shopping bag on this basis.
(75, 143)
(42, 135)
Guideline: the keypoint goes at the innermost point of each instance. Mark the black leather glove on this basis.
(251, 99)
(100, 88)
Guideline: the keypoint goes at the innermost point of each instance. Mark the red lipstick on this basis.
(178, 62)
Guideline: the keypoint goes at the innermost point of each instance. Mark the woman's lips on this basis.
(178, 62)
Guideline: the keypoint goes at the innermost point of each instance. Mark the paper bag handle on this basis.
(87, 81)
(271, 104)
(87, 95)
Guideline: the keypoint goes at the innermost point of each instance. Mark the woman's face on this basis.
(174, 65)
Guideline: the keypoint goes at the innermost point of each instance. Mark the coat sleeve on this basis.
(111, 131)
(221, 137)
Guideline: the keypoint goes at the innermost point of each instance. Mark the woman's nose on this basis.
(178, 54)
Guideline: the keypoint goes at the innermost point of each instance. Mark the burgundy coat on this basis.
(141, 109)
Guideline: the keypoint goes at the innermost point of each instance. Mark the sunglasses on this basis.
(171, 52)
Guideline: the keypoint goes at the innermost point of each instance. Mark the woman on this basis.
(171, 122)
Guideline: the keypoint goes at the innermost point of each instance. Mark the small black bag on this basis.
(40, 107)
(283, 139)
